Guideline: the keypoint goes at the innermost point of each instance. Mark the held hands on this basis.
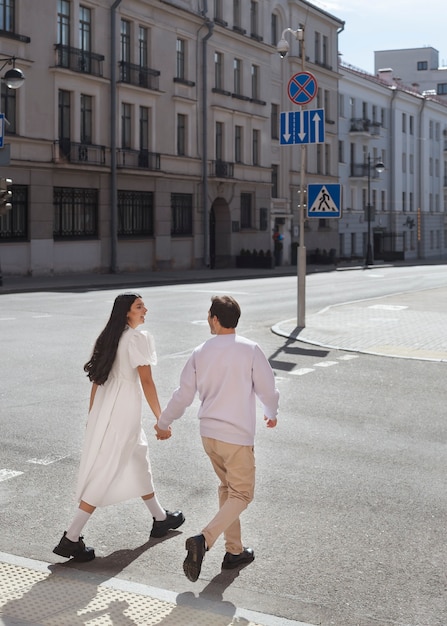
(270, 422)
(162, 434)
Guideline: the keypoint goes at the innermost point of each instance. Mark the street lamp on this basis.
(379, 167)
(14, 78)
(283, 48)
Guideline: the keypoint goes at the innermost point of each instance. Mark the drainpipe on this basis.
(113, 108)
(391, 167)
(206, 217)
(420, 194)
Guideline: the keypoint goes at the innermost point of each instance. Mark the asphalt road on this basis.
(349, 515)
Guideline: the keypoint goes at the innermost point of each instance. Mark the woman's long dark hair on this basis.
(104, 353)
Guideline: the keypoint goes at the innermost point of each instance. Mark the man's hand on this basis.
(162, 434)
(270, 422)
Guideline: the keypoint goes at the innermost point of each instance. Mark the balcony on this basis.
(79, 60)
(139, 76)
(73, 152)
(365, 126)
(138, 159)
(221, 169)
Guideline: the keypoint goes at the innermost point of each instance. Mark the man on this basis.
(228, 372)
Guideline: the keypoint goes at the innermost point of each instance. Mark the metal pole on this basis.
(301, 256)
(206, 222)
(368, 258)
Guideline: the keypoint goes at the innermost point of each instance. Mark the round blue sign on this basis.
(302, 88)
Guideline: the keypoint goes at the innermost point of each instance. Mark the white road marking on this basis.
(6, 474)
(47, 460)
(325, 363)
(388, 307)
(348, 357)
(301, 371)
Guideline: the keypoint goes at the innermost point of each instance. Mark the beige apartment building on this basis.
(146, 134)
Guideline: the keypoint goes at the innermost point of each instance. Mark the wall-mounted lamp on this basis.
(14, 77)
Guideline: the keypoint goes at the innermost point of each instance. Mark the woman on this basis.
(115, 463)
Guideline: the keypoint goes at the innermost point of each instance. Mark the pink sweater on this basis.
(228, 372)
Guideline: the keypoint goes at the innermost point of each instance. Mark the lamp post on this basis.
(14, 78)
(283, 48)
(379, 167)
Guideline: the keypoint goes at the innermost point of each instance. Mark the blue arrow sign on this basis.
(298, 127)
(323, 200)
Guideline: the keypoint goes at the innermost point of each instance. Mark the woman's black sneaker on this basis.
(76, 549)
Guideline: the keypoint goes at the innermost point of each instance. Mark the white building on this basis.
(381, 120)
(146, 133)
(416, 67)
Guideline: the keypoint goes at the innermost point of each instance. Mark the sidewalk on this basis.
(33, 593)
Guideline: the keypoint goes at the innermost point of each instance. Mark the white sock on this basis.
(155, 508)
(79, 521)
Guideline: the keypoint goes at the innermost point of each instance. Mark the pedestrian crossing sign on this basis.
(323, 200)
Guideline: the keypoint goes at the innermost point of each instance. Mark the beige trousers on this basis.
(235, 467)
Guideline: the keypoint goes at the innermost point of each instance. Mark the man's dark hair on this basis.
(226, 309)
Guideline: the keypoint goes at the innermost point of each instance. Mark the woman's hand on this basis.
(162, 434)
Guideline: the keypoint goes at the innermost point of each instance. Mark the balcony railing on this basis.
(138, 159)
(79, 60)
(221, 169)
(363, 125)
(75, 152)
(138, 75)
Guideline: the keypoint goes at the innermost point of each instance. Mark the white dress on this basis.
(115, 463)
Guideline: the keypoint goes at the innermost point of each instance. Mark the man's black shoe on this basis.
(172, 521)
(193, 562)
(75, 549)
(231, 561)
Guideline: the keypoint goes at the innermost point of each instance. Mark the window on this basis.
(181, 134)
(63, 22)
(317, 45)
(325, 51)
(219, 141)
(64, 122)
(218, 71)
(275, 193)
(143, 53)
(441, 89)
(126, 126)
(245, 210)
(14, 225)
(411, 124)
(144, 128)
(255, 147)
(274, 29)
(263, 218)
(75, 213)
(237, 73)
(180, 59)
(7, 11)
(85, 29)
(341, 151)
(238, 144)
(125, 41)
(237, 14)
(135, 213)
(422, 65)
(254, 19)
(404, 122)
(8, 108)
(181, 214)
(86, 119)
(274, 119)
(218, 10)
(255, 82)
